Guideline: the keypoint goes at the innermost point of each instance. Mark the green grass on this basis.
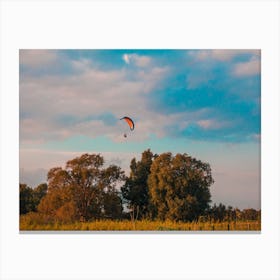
(34, 222)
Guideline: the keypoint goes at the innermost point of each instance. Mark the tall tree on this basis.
(26, 199)
(179, 187)
(81, 186)
(38, 193)
(135, 191)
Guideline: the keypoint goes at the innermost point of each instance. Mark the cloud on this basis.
(71, 103)
(214, 127)
(126, 58)
(223, 54)
(213, 124)
(201, 102)
(138, 60)
(252, 67)
(88, 101)
(37, 58)
(81, 65)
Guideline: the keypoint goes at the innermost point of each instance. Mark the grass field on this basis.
(144, 225)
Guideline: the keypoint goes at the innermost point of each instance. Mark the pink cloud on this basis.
(223, 54)
(37, 58)
(212, 124)
(252, 67)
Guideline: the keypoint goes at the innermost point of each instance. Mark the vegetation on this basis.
(179, 187)
(162, 192)
(30, 198)
(37, 221)
(135, 191)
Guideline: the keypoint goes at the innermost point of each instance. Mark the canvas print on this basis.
(140, 140)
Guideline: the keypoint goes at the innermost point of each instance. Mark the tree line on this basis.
(163, 187)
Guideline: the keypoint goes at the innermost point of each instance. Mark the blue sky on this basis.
(202, 102)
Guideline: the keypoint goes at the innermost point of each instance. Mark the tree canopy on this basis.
(135, 190)
(164, 187)
(84, 189)
(179, 186)
(30, 198)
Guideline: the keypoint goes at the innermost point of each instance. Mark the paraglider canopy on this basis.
(129, 122)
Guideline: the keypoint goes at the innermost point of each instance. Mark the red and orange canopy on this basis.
(129, 122)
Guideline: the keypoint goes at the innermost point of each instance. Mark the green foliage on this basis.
(30, 198)
(112, 205)
(179, 187)
(26, 199)
(162, 192)
(135, 190)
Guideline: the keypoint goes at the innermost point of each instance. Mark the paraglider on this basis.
(130, 123)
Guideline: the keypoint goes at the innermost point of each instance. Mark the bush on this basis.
(32, 219)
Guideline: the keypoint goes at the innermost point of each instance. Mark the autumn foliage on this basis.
(159, 188)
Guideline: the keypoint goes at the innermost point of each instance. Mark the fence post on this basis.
(228, 227)
(213, 227)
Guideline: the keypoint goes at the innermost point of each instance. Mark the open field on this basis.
(144, 225)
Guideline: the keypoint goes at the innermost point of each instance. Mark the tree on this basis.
(111, 198)
(218, 212)
(135, 191)
(112, 205)
(30, 198)
(83, 187)
(238, 214)
(230, 213)
(38, 193)
(55, 199)
(26, 199)
(250, 214)
(179, 187)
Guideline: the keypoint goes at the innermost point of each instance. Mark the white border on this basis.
(156, 24)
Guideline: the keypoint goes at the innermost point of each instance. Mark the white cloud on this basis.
(88, 92)
(252, 67)
(138, 60)
(223, 54)
(126, 58)
(82, 64)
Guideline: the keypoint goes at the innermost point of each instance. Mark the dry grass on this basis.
(35, 222)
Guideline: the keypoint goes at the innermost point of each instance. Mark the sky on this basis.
(205, 103)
